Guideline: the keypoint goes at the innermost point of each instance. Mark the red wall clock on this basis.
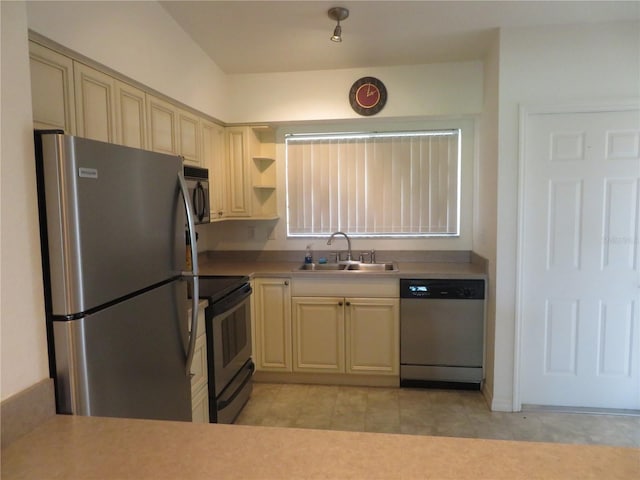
(367, 96)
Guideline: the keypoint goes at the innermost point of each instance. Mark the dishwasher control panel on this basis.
(442, 288)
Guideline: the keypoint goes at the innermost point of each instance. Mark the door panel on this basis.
(127, 360)
(318, 334)
(580, 341)
(113, 230)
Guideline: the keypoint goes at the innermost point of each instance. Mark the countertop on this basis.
(292, 269)
(72, 447)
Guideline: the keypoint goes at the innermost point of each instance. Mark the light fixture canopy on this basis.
(338, 14)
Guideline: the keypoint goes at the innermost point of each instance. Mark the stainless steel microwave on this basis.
(198, 184)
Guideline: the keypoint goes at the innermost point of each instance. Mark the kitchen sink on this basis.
(372, 267)
(350, 267)
(323, 266)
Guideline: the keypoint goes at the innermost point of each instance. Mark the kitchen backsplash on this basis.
(446, 256)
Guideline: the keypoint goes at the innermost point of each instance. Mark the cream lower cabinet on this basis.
(346, 335)
(373, 335)
(272, 324)
(318, 334)
(200, 379)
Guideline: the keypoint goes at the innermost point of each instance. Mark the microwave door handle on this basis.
(193, 274)
(199, 199)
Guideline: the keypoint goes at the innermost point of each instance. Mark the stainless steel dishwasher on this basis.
(441, 333)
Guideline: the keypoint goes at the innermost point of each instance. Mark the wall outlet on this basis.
(251, 232)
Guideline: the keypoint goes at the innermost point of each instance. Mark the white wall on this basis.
(485, 199)
(24, 360)
(418, 90)
(549, 65)
(445, 95)
(261, 235)
(139, 40)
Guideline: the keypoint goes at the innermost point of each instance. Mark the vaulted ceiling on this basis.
(281, 36)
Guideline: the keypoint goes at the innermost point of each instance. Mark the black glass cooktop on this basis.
(216, 287)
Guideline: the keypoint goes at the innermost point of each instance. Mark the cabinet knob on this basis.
(286, 282)
(348, 304)
(339, 304)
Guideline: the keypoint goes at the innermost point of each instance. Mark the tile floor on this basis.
(427, 412)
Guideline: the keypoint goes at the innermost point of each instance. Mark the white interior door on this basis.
(580, 289)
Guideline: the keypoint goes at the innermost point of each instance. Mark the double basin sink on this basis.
(349, 267)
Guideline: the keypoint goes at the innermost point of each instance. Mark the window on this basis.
(393, 184)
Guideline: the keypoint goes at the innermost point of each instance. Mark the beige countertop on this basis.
(290, 269)
(70, 447)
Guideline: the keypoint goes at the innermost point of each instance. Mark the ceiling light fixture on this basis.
(338, 14)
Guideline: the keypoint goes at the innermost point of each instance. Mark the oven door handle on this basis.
(193, 274)
(232, 302)
(248, 371)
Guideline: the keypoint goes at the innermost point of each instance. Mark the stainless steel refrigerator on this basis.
(112, 222)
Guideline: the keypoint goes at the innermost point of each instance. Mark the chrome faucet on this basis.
(348, 243)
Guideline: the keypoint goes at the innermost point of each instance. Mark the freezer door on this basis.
(127, 360)
(115, 224)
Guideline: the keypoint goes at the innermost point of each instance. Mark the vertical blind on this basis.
(377, 184)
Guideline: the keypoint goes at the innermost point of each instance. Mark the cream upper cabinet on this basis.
(318, 334)
(189, 135)
(52, 89)
(131, 116)
(262, 149)
(162, 125)
(251, 172)
(238, 173)
(173, 130)
(95, 103)
(272, 324)
(346, 335)
(213, 158)
(373, 335)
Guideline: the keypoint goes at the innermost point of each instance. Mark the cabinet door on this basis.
(162, 124)
(238, 173)
(213, 158)
(189, 138)
(95, 103)
(131, 122)
(372, 326)
(318, 334)
(52, 89)
(272, 309)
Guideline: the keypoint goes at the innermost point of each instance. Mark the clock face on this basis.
(367, 96)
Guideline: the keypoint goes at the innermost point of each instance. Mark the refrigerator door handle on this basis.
(193, 273)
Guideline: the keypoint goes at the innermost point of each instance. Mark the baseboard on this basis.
(589, 410)
(328, 379)
(497, 404)
(25, 410)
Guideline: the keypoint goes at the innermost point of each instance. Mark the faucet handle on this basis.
(363, 255)
(372, 254)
